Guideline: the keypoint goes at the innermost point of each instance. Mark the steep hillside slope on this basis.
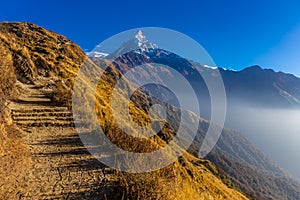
(39, 52)
(232, 147)
(46, 64)
(14, 154)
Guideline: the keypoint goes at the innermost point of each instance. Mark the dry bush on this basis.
(7, 78)
(62, 94)
(158, 184)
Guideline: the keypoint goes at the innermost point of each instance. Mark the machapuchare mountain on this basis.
(46, 64)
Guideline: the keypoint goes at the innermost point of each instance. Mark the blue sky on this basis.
(235, 33)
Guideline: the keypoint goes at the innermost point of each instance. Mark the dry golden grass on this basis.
(7, 78)
(14, 161)
(13, 152)
(186, 178)
(39, 52)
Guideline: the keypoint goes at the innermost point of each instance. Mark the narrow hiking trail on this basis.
(61, 167)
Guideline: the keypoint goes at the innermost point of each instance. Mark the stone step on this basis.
(45, 124)
(40, 110)
(49, 114)
(44, 118)
(39, 95)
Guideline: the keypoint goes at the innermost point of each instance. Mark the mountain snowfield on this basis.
(96, 54)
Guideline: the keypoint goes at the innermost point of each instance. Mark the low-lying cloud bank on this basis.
(275, 131)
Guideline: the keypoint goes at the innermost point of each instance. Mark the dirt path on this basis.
(61, 166)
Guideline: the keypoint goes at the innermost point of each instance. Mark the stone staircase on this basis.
(42, 117)
(34, 108)
(61, 167)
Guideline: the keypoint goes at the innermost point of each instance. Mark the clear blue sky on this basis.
(236, 33)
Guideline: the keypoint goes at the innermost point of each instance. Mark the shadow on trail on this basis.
(77, 159)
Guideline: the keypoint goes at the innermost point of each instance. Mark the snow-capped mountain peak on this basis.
(138, 42)
(142, 42)
(140, 37)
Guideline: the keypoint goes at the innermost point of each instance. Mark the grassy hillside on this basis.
(254, 183)
(246, 162)
(13, 152)
(36, 52)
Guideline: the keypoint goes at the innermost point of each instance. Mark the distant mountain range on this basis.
(263, 87)
(234, 154)
(253, 85)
